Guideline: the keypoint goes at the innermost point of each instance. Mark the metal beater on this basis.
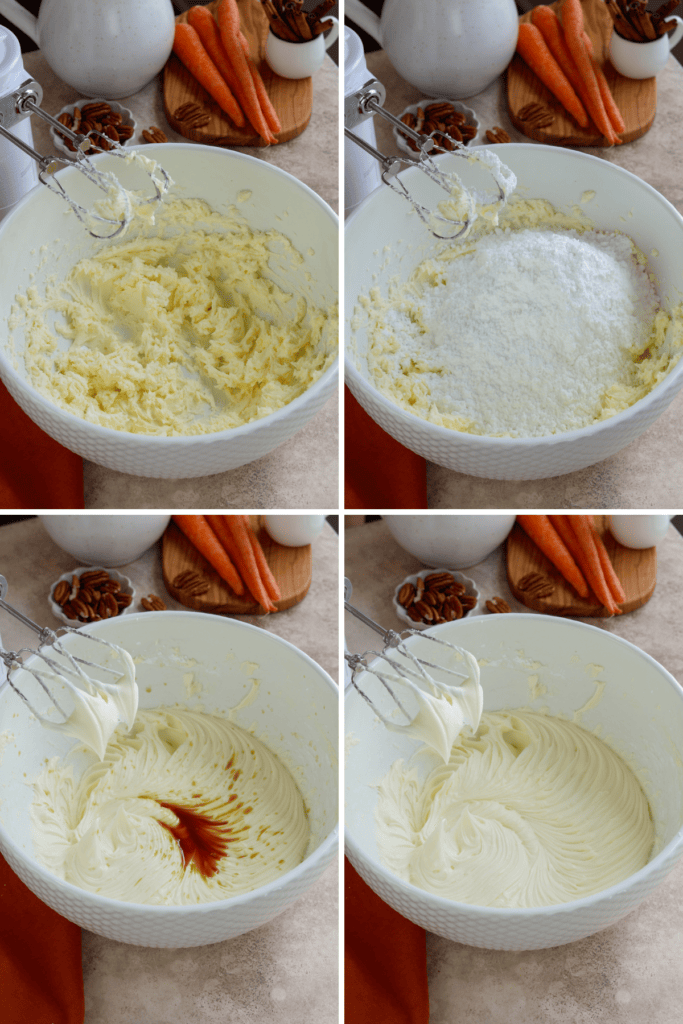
(405, 669)
(68, 669)
(26, 100)
(369, 100)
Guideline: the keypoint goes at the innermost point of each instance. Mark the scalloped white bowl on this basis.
(385, 238)
(641, 715)
(277, 200)
(295, 712)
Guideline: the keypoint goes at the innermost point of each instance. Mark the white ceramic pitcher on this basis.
(452, 48)
(103, 48)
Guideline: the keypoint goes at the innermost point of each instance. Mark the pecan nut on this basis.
(536, 584)
(497, 604)
(435, 598)
(154, 134)
(192, 582)
(497, 135)
(152, 603)
(90, 597)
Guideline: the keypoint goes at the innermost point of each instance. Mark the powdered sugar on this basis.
(525, 333)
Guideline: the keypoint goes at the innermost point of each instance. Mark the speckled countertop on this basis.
(303, 472)
(649, 472)
(286, 971)
(629, 973)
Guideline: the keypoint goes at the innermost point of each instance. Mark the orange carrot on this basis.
(228, 18)
(199, 533)
(564, 529)
(232, 534)
(550, 27)
(572, 23)
(544, 535)
(264, 569)
(590, 562)
(204, 24)
(272, 120)
(532, 48)
(188, 46)
(613, 581)
(611, 108)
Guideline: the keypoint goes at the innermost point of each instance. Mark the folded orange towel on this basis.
(379, 472)
(385, 970)
(41, 978)
(35, 470)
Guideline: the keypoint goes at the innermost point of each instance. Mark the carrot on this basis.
(264, 569)
(590, 562)
(532, 48)
(204, 24)
(188, 46)
(231, 532)
(613, 581)
(544, 535)
(564, 529)
(199, 533)
(228, 17)
(611, 108)
(272, 120)
(548, 24)
(550, 27)
(572, 23)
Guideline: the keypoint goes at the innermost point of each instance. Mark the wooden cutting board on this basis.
(292, 98)
(637, 100)
(637, 571)
(291, 567)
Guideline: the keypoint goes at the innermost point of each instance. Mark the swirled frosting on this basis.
(187, 808)
(529, 811)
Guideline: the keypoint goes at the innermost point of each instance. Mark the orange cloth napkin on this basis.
(379, 472)
(35, 470)
(41, 978)
(385, 971)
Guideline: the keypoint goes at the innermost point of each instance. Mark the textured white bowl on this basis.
(217, 175)
(641, 715)
(456, 542)
(384, 238)
(126, 586)
(458, 576)
(105, 540)
(295, 712)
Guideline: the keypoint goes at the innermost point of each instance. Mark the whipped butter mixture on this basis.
(188, 330)
(187, 808)
(527, 810)
(533, 324)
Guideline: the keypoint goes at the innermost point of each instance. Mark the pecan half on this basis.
(497, 135)
(497, 604)
(62, 592)
(152, 603)
(535, 584)
(192, 582)
(154, 134)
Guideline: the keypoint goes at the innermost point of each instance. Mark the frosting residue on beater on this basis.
(125, 206)
(188, 808)
(464, 206)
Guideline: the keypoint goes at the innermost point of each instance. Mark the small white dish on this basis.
(125, 113)
(126, 586)
(299, 60)
(643, 59)
(469, 584)
(470, 116)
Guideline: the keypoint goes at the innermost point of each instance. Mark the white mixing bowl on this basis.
(450, 542)
(641, 717)
(278, 201)
(385, 238)
(295, 712)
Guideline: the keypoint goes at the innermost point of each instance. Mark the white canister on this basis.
(362, 172)
(18, 171)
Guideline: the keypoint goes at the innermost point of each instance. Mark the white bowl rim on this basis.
(548, 440)
(160, 910)
(441, 903)
(152, 442)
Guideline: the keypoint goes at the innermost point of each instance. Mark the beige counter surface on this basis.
(303, 472)
(649, 472)
(629, 973)
(286, 971)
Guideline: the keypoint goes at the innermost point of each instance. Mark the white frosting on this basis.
(529, 811)
(236, 819)
(99, 707)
